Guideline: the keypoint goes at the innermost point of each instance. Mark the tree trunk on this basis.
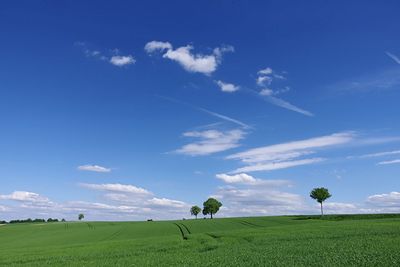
(196, 216)
(211, 215)
(322, 211)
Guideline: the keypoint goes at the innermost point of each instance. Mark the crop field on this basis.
(256, 241)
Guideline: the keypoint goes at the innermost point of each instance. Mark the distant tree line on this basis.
(29, 220)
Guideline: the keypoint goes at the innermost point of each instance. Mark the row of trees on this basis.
(210, 206)
(29, 220)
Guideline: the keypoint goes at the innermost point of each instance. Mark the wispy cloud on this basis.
(115, 58)
(277, 165)
(289, 154)
(191, 62)
(395, 161)
(394, 57)
(244, 178)
(265, 78)
(211, 141)
(377, 81)
(284, 104)
(209, 112)
(93, 168)
(117, 188)
(227, 87)
(379, 154)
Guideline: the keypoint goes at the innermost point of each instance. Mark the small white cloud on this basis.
(266, 71)
(227, 87)
(93, 168)
(266, 92)
(191, 62)
(211, 141)
(122, 60)
(153, 46)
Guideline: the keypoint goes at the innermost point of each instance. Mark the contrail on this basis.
(209, 112)
(394, 57)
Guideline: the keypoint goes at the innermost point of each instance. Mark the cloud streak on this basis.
(93, 168)
(290, 154)
(394, 57)
(211, 141)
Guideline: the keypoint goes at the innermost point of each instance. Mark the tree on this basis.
(81, 216)
(195, 210)
(211, 206)
(320, 194)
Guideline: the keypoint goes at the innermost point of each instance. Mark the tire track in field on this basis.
(184, 237)
(187, 229)
(113, 235)
(246, 223)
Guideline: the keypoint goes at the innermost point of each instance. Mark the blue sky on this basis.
(129, 111)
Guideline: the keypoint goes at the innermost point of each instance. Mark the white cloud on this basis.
(391, 199)
(167, 202)
(243, 178)
(266, 71)
(25, 196)
(211, 141)
(191, 62)
(395, 161)
(287, 155)
(93, 168)
(277, 165)
(117, 188)
(227, 87)
(264, 79)
(114, 59)
(266, 92)
(380, 154)
(153, 46)
(253, 200)
(122, 60)
(394, 57)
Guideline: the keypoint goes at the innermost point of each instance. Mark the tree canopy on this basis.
(211, 206)
(320, 194)
(81, 216)
(195, 210)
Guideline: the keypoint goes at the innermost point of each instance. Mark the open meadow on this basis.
(371, 240)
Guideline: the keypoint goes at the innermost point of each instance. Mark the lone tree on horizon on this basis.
(81, 216)
(320, 194)
(211, 206)
(195, 210)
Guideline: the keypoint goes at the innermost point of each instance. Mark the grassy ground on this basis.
(258, 241)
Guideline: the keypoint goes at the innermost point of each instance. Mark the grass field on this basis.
(257, 241)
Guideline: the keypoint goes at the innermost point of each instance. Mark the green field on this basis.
(256, 241)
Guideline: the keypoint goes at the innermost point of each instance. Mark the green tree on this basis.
(320, 194)
(211, 206)
(195, 210)
(81, 216)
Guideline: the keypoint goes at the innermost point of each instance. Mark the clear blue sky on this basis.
(129, 111)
